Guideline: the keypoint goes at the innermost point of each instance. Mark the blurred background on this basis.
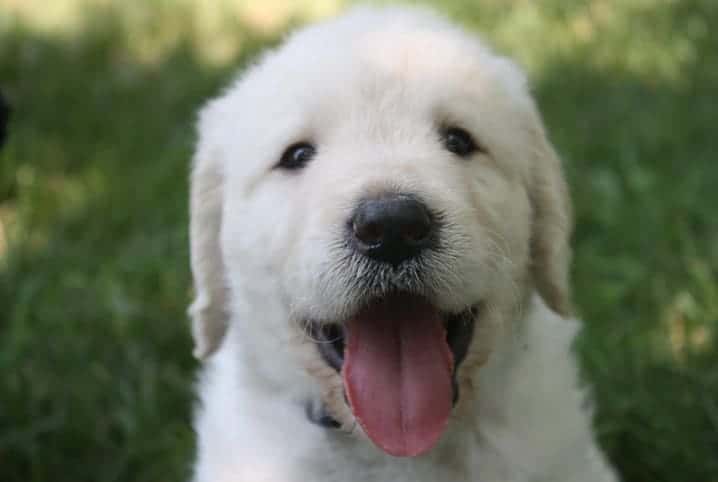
(94, 281)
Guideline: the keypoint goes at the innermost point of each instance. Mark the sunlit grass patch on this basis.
(153, 28)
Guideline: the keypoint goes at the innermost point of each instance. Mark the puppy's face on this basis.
(389, 186)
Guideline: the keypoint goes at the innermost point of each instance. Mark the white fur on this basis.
(370, 89)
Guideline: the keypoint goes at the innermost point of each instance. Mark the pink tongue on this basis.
(397, 374)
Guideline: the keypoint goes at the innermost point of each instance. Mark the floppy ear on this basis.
(551, 231)
(209, 310)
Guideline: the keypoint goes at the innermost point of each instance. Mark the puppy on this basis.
(380, 250)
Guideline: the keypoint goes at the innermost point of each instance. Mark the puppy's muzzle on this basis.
(392, 228)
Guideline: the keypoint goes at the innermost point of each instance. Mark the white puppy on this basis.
(380, 251)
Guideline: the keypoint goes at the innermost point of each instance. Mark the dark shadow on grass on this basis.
(95, 343)
(640, 156)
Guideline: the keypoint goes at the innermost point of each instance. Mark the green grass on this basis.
(94, 281)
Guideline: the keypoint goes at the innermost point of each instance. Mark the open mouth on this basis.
(398, 357)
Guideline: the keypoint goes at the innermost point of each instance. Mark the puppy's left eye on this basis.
(297, 156)
(460, 142)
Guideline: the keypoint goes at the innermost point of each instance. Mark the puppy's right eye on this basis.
(460, 142)
(297, 156)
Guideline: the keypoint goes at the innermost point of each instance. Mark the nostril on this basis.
(417, 230)
(368, 232)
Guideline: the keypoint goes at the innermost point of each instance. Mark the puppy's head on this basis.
(384, 179)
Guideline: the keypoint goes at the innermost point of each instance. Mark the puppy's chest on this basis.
(343, 460)
(382, 472)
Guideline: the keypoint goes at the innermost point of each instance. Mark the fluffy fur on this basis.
(371, 90)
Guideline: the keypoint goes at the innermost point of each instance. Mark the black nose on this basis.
(392, 228)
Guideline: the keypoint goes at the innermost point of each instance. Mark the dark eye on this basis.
(297, 155)
(460, 142)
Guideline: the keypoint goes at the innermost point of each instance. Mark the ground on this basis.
(94, 280)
